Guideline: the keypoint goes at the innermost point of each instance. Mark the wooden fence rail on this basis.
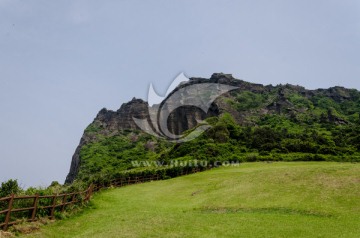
(59, 202)
(36, 205)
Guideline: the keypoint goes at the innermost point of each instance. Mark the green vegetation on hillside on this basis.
(276, 138)
(246, 100)
(252, 200)
(283, 123)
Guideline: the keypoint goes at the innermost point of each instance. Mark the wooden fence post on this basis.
(35, 205)
(8, 214)
(89, 193)
(52, 213)
(63, 203)
(73, 198)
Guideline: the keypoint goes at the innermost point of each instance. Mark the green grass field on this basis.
(253, 200)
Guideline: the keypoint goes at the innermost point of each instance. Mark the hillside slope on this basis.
(253, 200)
(252, 123)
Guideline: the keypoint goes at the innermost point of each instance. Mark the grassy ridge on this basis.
(253, 200)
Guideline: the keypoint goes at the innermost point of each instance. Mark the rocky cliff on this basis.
(246, 102)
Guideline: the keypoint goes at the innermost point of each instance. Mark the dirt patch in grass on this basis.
(4, 234)
(29, 227)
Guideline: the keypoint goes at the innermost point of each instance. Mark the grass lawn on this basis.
(298, 199)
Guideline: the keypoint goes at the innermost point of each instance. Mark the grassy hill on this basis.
(294, 199)
(252, 123)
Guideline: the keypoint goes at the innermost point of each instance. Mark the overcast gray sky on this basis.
(62, 61)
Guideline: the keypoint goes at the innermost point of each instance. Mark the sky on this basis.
(63, 61)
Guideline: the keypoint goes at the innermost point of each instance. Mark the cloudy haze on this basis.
(62, 61)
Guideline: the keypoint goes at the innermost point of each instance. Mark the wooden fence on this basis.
(46, 206)
(52, 203)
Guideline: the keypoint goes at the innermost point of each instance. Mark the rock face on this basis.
(109, 122)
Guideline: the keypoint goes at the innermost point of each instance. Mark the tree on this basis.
(54, 184)
(9, 187)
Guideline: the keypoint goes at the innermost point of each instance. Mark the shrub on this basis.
(9, 187)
